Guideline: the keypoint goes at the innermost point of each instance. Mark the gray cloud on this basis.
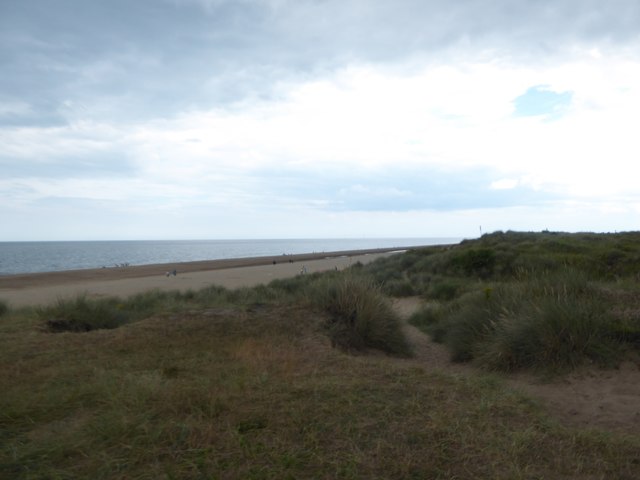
(126, 61)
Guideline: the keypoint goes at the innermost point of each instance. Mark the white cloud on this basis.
(504, 184)
(146, 128)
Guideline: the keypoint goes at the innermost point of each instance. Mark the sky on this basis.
(207, 119)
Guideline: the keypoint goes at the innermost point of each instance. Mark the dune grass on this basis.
(360, 316)
(511, 301)
(246, 383)
(255, 390)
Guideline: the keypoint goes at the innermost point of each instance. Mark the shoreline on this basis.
(27, 280)
(35, 289)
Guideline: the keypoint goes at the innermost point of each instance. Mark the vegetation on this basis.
(360, 316)
(255, 390)
(508, 301)
(246, 383)
(4, 308)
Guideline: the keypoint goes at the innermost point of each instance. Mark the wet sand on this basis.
(44, 288)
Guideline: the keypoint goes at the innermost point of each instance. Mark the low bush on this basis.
(360, 316)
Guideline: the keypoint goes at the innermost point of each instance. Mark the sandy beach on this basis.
(44, 288)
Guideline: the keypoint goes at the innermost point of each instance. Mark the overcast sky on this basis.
(172, 119)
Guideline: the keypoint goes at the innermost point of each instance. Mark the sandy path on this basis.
(40, 289)
(589, 397)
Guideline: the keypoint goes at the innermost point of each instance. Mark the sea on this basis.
(32, 257)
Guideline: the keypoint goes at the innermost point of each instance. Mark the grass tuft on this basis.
(552, 322)
(361, 316)
(83, 315)
(4, 307)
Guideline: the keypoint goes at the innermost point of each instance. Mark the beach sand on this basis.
(45, 288)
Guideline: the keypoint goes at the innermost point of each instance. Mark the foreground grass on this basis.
(246, 385)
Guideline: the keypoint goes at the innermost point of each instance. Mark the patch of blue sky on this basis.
(541, 101)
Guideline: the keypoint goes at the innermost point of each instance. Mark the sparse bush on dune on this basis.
(360, 316)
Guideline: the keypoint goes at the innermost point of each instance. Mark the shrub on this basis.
(360, 316)
(83, 315)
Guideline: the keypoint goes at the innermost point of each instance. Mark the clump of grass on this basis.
(399, 288)
(429, 319)
(555, 332)
(550, 322)
(4, 307)
(444, 289)
(475, 261)
(469, 322)
(361, 316)
(83, 315)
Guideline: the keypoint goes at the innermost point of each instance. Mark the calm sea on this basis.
(30, 257)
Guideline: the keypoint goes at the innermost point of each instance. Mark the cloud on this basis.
(335, 111)
(124, 60)
(504, 184)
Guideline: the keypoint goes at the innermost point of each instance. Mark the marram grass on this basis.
(232, 392)
(360, 316)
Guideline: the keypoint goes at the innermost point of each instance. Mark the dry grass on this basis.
(260, 393)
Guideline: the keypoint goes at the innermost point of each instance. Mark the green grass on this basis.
(360, 316)
(247, 383)
(542, 301)
(255, 390)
